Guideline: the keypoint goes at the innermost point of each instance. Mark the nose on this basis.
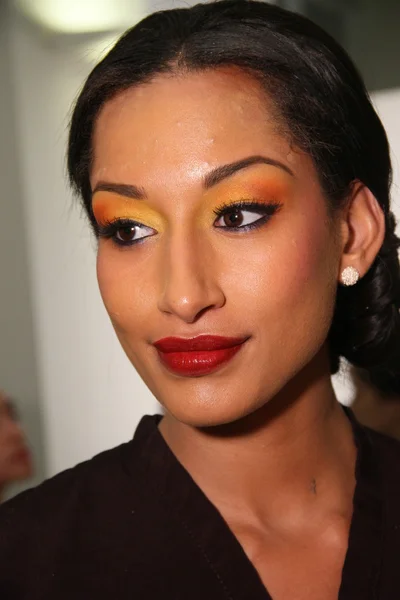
(190, 279)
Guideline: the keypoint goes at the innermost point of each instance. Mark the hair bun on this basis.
(366, 327)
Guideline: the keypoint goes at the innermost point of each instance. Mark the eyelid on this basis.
(109, 229)
(108, 207)
(119, 222)
(253, 205)
(264, 210)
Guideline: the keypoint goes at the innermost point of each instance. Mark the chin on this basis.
(215, 411)
(201, 419)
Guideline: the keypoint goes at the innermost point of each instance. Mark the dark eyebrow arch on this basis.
(226, 171)
(213, 178)
(122, 189)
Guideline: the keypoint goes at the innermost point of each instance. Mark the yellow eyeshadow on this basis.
(109, 207)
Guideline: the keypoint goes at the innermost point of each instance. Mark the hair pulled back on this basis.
(324, 108)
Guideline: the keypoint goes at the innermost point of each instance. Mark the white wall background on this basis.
(91, 397)
(18, 366)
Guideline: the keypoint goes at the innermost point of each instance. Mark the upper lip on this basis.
(200, 343)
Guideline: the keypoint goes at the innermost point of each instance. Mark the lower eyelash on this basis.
(252, 206)
(250, 226)
(108, 229)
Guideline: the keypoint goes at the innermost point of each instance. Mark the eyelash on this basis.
(254, 206)
(109, 229)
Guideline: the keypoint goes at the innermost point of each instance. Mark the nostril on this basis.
(202, 311)
(190, 311)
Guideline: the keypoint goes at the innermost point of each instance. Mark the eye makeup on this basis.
(262, 196)
(110, 208)
(244, 214)
(234, 206)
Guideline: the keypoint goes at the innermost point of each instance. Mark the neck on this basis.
(296, 449)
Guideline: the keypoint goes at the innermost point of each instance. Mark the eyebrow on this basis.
(122, 189)
(226, 171)
(210, 180)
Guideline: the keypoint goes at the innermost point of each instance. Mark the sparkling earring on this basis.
(350, 276)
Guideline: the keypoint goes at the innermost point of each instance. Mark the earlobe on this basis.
(363, 234)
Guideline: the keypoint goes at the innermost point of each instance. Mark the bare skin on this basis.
(284, 483)
(263, 437)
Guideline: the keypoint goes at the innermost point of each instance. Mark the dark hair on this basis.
(324, 107)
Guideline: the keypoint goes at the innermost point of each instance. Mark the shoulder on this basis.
(67, 483)
(72, 532)
(79, 492)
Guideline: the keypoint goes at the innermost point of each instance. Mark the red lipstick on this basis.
(197, 356)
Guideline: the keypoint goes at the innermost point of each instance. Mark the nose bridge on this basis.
(190, 278)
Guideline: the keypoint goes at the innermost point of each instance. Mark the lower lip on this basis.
(198, 362)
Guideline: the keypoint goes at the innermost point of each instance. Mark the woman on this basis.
(237, 178)
(15, 458)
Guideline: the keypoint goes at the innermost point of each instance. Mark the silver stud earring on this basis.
(350, 276)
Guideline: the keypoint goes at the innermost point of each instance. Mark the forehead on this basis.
(180, 126)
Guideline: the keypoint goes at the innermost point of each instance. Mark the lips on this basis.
(197, 356)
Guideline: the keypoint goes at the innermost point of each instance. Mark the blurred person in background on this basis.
(374, 406)
(237, 178)
(15, 457)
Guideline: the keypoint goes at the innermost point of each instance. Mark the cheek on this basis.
(109, 283)
(304, 264)
(286, 272)
(122, 286)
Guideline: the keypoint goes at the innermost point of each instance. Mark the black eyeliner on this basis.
(266, 209)
(109, 229)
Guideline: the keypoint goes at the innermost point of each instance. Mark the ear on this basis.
(362, 228)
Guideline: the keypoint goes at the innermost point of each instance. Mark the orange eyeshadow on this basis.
(108, 206)
(261, 190)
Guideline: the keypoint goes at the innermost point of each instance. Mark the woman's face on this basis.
(15, 458)
(212, 224)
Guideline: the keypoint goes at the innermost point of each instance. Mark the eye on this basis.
(244, 215)
(125, 232)
(132, 233)
(237, 217)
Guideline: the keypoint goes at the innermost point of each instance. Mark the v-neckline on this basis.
(207, 529)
